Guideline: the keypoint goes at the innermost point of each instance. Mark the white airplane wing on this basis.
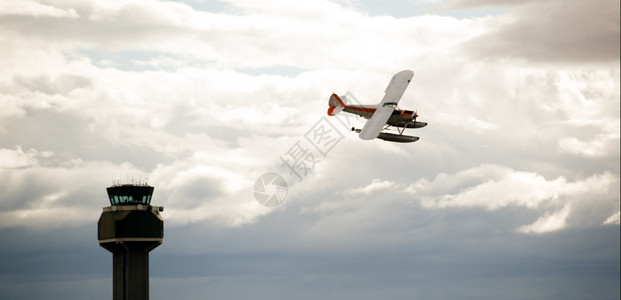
(393, 93)
(397, 86)
(376, 123)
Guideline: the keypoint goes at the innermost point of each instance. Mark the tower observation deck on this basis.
(130, 228)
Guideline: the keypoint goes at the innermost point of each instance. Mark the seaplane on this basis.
(384, 115)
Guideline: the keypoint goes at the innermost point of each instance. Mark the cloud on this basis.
(63, 84)
(613, 219)
(11, 159)
(548, 223)
(552, 31)
(587, 202)
(598, 146)
(210, 188)
(375, 186)
(305, 36)
(79, 103)
(50, 195)
(34, 8)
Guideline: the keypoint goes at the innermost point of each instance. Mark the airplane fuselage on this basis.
(399, 117)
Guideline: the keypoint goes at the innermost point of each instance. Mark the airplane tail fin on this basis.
(336, 104)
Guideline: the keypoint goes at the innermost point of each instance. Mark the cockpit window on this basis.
(390, 104)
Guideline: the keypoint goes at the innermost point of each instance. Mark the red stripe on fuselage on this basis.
(363, 109)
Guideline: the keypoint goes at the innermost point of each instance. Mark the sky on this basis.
(512, 191)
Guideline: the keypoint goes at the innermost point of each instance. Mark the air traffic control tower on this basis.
(130, 228)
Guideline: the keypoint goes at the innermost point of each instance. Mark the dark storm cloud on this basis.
(551, 31)
(61, 263)
(462, 253)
